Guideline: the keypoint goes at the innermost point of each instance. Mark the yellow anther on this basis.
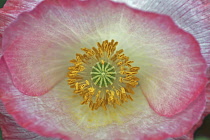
(122, 89)
(117, 92)
(119, 52)
(128, 63)
(91, 89)
(82, 86)
(121, 56)
(88, 51)
(134, 69)
(129, 73)
(119, 63)
(77, 86)
(87, 82)
(102, 61)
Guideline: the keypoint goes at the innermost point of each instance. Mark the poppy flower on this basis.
(136, 71)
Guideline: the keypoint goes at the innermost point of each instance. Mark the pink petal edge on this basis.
(10, 12)
(6, 86)
(11, 130)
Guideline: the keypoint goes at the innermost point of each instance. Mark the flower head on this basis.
(144, 79)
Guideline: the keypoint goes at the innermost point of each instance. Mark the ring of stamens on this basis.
(102, 76)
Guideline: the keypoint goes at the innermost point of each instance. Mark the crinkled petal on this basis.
(59, 114)
(190, 134)
(172, 68)
(190, 15)
(12, 131)
(10, 11)
(15, 7)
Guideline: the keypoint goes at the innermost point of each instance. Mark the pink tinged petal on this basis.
(185, 117)
(9, 126)
(52, 115)
(12, 131)
(208, 105)
(207, 111)
(187, 85)
(172, 68)
(4, 21)
(1, 43)
(15, 7)
(190, 15)
(39, 52)
(190, 134)
(10, 11)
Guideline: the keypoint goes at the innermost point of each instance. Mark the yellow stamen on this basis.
(102, 76)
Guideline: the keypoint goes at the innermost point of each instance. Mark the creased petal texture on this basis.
(15, 7)
(10, 11)
(172, 77)
(12, 131)
(190, 135)
(172, 74)
(41, 42)
(190, 15)
(58, 114)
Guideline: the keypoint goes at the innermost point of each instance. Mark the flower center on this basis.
(102, 76)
